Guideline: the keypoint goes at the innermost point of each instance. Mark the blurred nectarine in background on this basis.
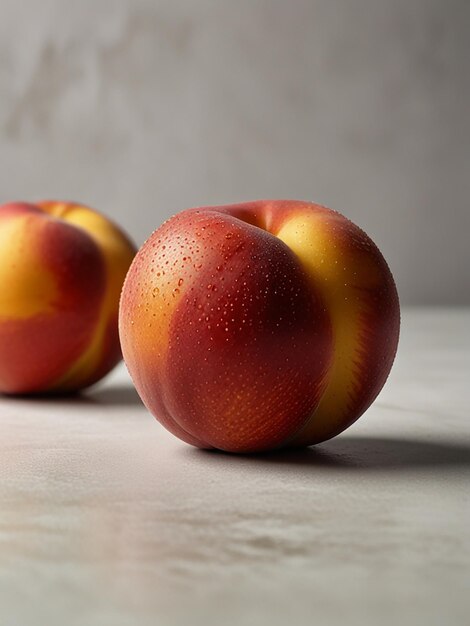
(61, 272)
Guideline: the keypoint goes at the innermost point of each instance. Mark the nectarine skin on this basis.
(257, 326)
(62, 268)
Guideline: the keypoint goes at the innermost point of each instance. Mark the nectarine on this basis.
(61, 272)
(261, 325)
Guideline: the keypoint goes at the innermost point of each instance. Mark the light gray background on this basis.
(143, 108)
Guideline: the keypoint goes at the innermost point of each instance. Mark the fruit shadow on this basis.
(112, 395)
(358, 453)
(119, 394)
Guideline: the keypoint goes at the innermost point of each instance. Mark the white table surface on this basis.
(107, 520)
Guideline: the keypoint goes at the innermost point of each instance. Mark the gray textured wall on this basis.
(143, 108)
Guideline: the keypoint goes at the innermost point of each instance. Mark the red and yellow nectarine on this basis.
(61, 272)
(261, 325)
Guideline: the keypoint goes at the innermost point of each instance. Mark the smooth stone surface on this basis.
(107, 520)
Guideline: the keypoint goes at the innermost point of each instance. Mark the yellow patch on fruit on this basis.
(158, 295)
(27, 288)
(337, 274)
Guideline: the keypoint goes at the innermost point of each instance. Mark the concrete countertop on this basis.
(108, 520)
